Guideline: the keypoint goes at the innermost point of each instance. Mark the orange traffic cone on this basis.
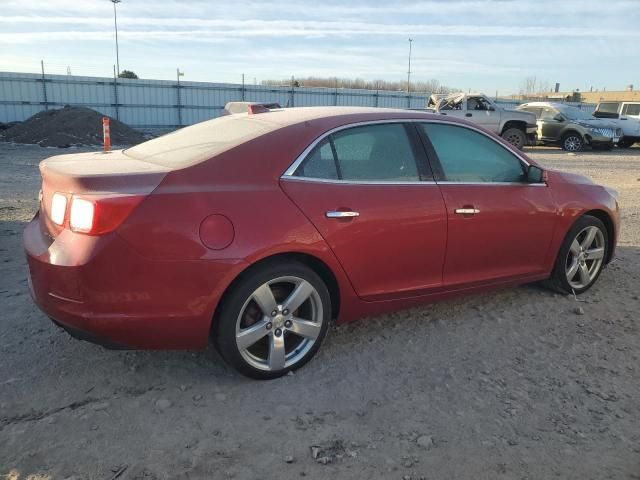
(106, 134)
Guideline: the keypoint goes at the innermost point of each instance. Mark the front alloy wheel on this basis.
(572, 143)
(274, 320)
(585, 257)
(582, 256)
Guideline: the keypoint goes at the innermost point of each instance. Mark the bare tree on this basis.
(545, 87)
(528, 86)
(429, 86)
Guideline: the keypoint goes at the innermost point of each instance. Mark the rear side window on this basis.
(631, 109)
(320, 163)
(469, 156)
(368, 153)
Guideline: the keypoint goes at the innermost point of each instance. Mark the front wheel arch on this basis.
(559, 279)
(605, 218)
(514, 124)
(584, 138)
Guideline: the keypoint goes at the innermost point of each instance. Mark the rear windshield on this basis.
(191, 145)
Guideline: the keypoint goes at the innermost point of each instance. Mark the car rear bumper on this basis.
(100, 289)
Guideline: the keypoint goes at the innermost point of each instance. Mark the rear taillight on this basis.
(82, 215)
(93, 214)
(58, 208)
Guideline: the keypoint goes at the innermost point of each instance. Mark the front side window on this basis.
(380, 152)
(478, 103)
(469, 156)
(548, 113)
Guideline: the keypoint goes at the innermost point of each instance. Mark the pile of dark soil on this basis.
(69, 126)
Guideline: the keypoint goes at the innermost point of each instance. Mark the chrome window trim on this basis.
(357, 182)
(506, 184)
(288, 174)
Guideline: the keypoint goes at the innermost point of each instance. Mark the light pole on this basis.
(115, 23)
(178, 75)
(409, 71)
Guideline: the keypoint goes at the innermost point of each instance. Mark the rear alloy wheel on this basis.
(274, 321)
(515, 137)
(572, 142)
(581, 257)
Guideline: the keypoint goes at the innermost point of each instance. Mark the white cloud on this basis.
(466, 41)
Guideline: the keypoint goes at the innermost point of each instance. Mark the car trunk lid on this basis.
(97, 176)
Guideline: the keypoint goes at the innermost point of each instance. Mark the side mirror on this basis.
(558, 118)
(535, 174)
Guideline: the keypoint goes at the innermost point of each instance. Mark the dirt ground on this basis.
(512, 384)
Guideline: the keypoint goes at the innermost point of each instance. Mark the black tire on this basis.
(626, 143)
(558, 280)
(572, 142)
(515, 137)
(239, 300)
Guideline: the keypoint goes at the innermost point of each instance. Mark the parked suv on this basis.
(517, 128)
(626, 115)
(570, 127)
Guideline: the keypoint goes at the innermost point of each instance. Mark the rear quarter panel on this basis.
(243, 185)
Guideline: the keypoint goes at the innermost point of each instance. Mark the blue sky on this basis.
(482, 45)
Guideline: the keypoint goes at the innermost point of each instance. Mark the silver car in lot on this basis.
(571, 128)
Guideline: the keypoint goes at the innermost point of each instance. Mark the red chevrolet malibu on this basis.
(256, 229)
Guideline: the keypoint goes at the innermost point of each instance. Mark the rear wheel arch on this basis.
(311, 261)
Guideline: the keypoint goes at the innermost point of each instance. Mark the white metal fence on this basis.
(147, 104)
(163, 104)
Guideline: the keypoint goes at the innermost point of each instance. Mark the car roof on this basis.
(203, 140)
(282, 117)
(545, 104)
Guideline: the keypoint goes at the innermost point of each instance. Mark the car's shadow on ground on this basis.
(494, 378)
(376, 338)
(557, 151)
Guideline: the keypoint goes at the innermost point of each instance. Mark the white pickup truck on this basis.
(516, 127)
(625, 115)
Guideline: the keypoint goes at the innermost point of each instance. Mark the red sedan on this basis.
(256, 229)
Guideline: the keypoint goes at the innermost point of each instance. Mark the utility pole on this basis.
(409, 71)
(115, 23)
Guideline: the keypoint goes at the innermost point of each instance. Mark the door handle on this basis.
(468, 114)
(341, 214)
(466, 211)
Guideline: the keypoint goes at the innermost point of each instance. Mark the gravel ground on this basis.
(512, 384)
